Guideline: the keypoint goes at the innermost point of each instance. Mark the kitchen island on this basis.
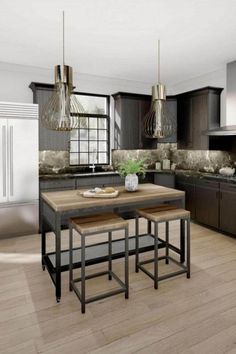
(59, 206)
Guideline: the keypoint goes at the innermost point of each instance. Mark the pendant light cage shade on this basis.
(62, 111)
(159, 122)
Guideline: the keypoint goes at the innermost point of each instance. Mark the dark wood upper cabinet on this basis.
(130, 110)
(48, 139)
(197, 112)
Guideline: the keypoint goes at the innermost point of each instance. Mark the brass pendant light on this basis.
(62, 111)
(159, 122)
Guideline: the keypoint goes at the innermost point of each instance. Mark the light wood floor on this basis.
(196, 315)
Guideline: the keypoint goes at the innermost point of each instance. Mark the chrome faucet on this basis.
(93, 167)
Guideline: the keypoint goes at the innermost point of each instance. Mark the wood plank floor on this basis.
(196, 315)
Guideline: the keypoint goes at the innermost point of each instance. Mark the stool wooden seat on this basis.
(166, 215)
(156, 215)
(92, 225)
(98, 223)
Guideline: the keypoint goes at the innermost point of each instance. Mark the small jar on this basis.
(166, 164)
(158, 165)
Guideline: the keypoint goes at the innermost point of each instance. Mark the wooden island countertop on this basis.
(72, 199)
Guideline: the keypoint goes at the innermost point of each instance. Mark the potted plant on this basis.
(131, 169)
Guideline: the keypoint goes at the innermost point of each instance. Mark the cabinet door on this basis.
(227, 208)
(185, 123)
(164, 179)
(144, 142)
(23, 159)
(199, 112)
(189, 196)
(207, 203)
(3, 161)
(49, 139)
(130, 124)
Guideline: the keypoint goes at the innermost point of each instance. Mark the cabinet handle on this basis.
(11, 161)
(4, 160)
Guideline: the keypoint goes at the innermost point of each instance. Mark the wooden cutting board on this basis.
(89, 194)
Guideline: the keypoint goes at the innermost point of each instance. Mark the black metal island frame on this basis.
(58, 207)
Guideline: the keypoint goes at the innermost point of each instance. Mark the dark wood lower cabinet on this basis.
(210, 203)
(228, 208)
(207, 203)
(189, 188)
(164, 179)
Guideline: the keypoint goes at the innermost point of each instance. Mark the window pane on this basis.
(102, 134)
(102, 146)
(83, 134)
(93, 158)
(74, 159)
(83, 158)
(93, 146)
(102, 157)
(102, 123)
(74, 134)
(74, 146)
(84, 146)
(83, 122)
(92, 123)
(93, 104)
(92, 134)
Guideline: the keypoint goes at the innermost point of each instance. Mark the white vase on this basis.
(131, 183)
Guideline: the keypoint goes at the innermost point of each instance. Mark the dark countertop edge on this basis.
(93, 174)
(184, 173)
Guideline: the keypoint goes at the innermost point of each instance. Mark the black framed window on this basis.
(90, 143)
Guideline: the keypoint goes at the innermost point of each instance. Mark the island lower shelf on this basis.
(98, 253)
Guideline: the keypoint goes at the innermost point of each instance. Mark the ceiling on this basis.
(118, 38)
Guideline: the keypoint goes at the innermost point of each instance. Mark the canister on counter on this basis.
(166, 164)
(158, 165)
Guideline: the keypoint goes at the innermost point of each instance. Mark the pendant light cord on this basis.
(158, 61)
(63, 37)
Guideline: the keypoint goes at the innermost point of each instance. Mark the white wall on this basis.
(15, 80)
(216, 79)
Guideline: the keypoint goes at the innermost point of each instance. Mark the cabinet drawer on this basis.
(228, 187)
(165, 180)
(57, 184)
(207, 183)
(94, 181)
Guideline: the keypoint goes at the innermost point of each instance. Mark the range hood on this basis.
(222, 131)
(230, 104)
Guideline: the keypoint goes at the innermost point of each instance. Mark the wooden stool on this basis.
(91, 225)
(158, 215)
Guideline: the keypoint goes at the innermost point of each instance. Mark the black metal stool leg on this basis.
(167, 242)
(70, 256)
(127, 262)
(182, 240)
(109, 255)
(149, 227)
(188, 248)
(136, 243)
(156, 255)
(82, 273)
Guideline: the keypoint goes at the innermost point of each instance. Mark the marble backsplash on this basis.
(200, 160)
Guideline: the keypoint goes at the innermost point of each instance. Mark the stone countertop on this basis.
(186, 173)
(51, 176)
